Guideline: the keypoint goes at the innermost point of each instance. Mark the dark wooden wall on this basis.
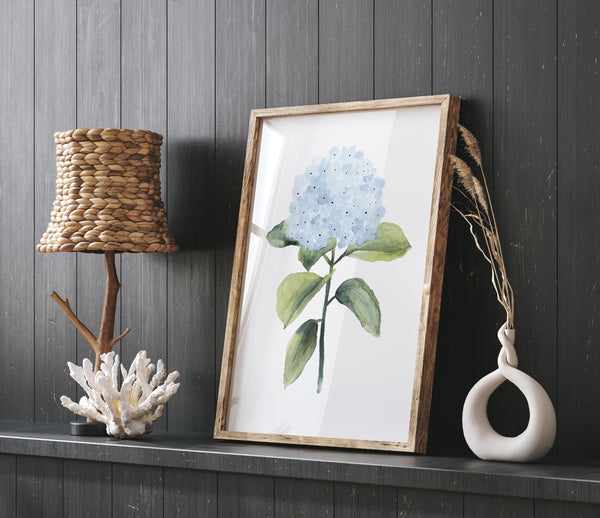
(192, 69)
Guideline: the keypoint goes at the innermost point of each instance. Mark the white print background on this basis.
(368, 381)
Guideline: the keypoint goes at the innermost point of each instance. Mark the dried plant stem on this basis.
(489, 259)
(481, 220)
(507, 290)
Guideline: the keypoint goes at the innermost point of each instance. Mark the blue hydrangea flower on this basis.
(339, 195)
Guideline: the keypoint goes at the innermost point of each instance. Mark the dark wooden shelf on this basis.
(550, 480)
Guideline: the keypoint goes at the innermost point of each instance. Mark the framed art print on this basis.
(337, 278)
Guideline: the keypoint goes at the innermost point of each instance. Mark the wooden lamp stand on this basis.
(105, 341)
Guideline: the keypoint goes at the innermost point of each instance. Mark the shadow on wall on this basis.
(229, 173)
(191, 193)
(203, 196)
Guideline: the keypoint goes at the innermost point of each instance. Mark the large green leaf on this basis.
(356, 295)
(299, 350)
(295, 292)
(309, 257)
(390, 243)
(278, 236)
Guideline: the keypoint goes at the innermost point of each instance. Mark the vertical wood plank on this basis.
(190, 491)
(137, 491)
(579, 219)
(190, 195)
(525, 186)
(16, 209)
(476, 506)
(144, 105)
(292, 53)
(55, 101)
(361, 500)
(402, 48)
(87, 489)
(419, 503)
(345, 51)
(8, 485)
(463, 65)
(298, 497)
(98, 106)
(245, 496)
(240, 87)
(39, 486)
(98, 63)
(552, 509)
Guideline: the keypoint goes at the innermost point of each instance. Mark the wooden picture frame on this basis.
(373, 363)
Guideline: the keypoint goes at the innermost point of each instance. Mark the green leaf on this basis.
(299, 350)
(390, 243)
(356, 295)
(295, 292)
(278, 236)
(309, 257)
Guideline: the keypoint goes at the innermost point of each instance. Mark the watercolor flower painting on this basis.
(336, 213)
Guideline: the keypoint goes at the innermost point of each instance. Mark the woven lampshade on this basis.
(107, 193)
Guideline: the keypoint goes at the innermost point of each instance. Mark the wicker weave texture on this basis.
(107, 193)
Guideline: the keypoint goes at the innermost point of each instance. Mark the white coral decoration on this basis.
(132, 410)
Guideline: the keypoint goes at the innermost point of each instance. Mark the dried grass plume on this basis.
(471, 144)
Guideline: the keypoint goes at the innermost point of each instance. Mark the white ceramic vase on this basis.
(536, 440)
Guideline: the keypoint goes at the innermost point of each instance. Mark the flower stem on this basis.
(322, 332)
(340, 257)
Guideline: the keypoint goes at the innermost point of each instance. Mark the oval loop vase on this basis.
(536, 440)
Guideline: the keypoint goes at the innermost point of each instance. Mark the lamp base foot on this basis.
(88, 429)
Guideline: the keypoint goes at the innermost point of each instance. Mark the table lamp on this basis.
(107, 201)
